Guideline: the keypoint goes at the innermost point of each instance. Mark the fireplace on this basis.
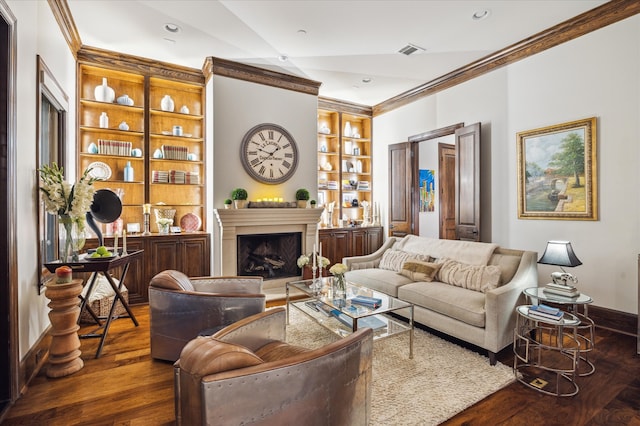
(270, 256)
(234, 223)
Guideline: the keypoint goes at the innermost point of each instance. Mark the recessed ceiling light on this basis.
(283, 58)
(302, 32)
(172, 28)
(479, 15)
(366, 80)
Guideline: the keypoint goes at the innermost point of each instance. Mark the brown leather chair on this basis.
(181, 308)
(247, 374)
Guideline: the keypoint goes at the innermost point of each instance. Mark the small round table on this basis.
(586, 328)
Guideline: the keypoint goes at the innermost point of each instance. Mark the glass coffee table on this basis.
(342, 316)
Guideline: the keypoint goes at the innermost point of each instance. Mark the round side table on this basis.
(586, 328)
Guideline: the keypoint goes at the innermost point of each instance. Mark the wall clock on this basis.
(269, 153)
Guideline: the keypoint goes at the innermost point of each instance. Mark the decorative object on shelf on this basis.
(123, 126)
(104, 93)
(136, 152)
(133, 228)
(258, 149)
(128, 172)
(192, 157)
(339, 281)
(356, 150)
(347, 130)
(324, 129)
(560, 253)
(164, 213)
(330, 206)
(146, 211)
(302, 197)
(359, 166)
(227, 203)
(93, 148)
(125, 100)
(99, 170)
(70, 203)
(348, 147)
(166, 104)
(184, 109)
(190, 222)
(313, 203)
(354, 202)
(177, 130)
(163, 225)
(104, 121)
(327, 167)
(157, 154)
(376, 214)
(64, 351)
(239, 197)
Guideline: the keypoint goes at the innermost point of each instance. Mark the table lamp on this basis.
(560, 253)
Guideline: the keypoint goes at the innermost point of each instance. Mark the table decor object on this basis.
(104, 93)
(166, 104)
(70, 203)
(339, 281)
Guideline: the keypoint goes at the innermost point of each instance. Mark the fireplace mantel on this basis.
(234, 222)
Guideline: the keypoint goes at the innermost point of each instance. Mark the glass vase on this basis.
(71, 238)
(339, 286)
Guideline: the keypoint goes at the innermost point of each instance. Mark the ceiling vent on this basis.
(410, 49)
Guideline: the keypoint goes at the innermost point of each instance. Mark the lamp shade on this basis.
(559, 253)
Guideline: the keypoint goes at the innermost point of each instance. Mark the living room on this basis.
(595, 75)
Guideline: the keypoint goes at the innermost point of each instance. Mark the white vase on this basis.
(347, 130)
(166, 104)
(104, 93)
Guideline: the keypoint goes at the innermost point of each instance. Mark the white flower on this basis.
(62, 198)
(302, 261)
(338, 269)
(164, 221)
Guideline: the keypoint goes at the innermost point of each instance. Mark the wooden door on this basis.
(468, 182)
(447, 190)
(401, 189)
(195, 256)
(358, 242)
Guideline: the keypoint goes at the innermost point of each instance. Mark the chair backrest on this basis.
(172, 280)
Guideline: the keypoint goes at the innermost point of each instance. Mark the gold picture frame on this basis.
(557, 172)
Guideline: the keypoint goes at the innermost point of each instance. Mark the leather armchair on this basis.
(181, 308)
(247, 374)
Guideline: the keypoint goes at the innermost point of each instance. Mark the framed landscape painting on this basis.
(557, 176)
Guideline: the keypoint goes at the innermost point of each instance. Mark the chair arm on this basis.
(500, 303)
(235, 284)
(371, 260)
(257, 330)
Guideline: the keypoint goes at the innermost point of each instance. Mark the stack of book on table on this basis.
(546, 313)
(562, 290)
(370, 302)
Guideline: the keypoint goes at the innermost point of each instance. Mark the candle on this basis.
(146, 208)
(124, 242)
(115, 244)
(320, 256)
(314, 256)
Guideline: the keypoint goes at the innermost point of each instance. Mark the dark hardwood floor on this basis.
(126, 387)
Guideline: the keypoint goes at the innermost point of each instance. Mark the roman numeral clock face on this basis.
(269, 153)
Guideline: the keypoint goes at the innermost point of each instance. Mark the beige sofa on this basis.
(473, 291)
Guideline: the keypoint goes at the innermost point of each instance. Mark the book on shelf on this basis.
(559, 297)
(564, 293)
(371, 321)
(562, 287)
(541, 307)
(372, 302)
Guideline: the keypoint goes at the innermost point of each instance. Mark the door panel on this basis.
(400, 189)
(447, 186)
(468, 182)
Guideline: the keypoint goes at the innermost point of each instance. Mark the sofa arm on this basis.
(368, 261)
(500, 303)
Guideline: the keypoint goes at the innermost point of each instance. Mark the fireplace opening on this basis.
(270, 256)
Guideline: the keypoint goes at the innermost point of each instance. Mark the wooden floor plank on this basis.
(126, 387)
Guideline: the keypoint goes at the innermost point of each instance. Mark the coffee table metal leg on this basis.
(411, 333)
(287, 301)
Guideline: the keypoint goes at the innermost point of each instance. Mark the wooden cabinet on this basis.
(344, 163)
(164, 147)
(344, 242)
(187, 253)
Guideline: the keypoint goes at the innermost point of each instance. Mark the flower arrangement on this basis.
(339, 282)
(163, 224)
(338, 269)
(304, 260)
(70, 203)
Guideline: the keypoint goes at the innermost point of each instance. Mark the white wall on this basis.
(595, 75)
(38, 33)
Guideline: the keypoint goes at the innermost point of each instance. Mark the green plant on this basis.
(228, 201)
(302, 194)
(239, 194)
(313, 202)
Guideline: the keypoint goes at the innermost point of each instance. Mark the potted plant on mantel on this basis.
(302, 196)
(227, 203)
(313, 204)
(239, 196)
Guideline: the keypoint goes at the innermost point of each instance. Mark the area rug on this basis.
(440, 381)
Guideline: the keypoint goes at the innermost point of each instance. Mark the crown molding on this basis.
(223, 67)
(592, 20)
(62, 14)
(344, 106)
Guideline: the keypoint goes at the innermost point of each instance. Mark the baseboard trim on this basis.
(617, 321)
(33, 361)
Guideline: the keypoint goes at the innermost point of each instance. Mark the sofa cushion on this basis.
(205, 355)
(473, 277)
(394, 259)
(420, 271)
(455, 302)
(471, 252)
(378, 279)
(508, 260)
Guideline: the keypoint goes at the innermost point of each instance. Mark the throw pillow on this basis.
(394, 259)
(420, 271)
(473, 277)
